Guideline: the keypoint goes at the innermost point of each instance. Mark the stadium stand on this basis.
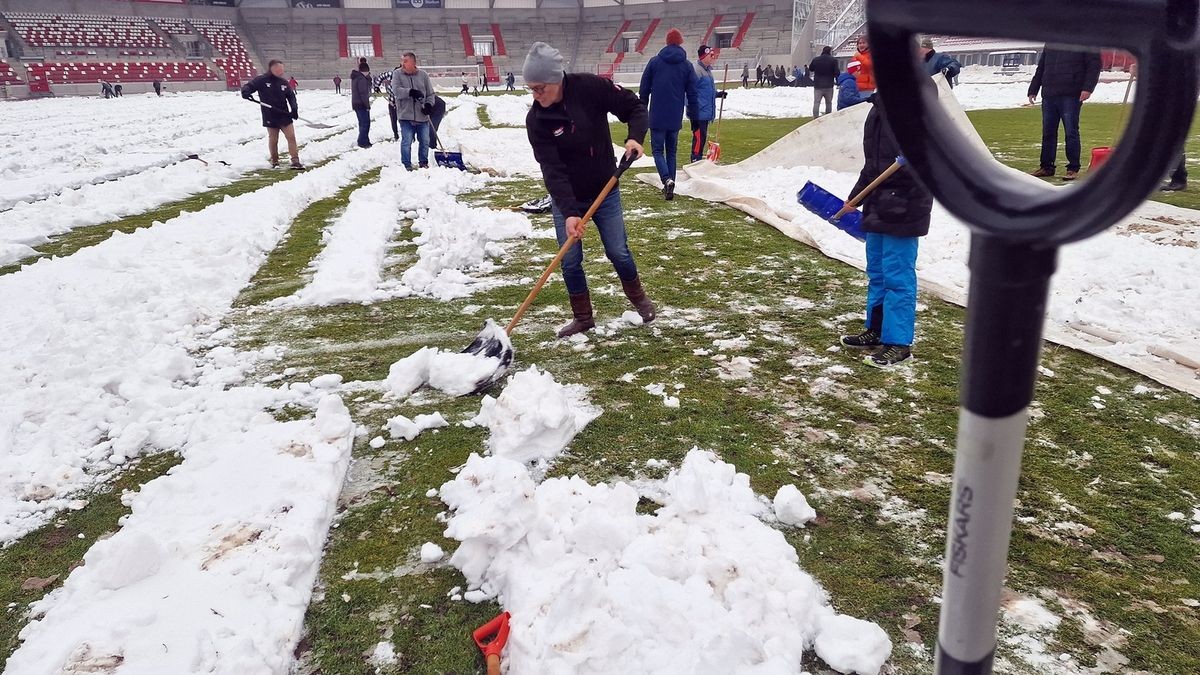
(138, 71)
(236, 62)
(84, 30)
(8, 75)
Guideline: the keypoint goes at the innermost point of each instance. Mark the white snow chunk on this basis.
(377, 442)
(791, 508)
(535, 417)
(851, 645)
(453, 373)
(330, 381)
(402, 427)
(632, 318)
(431, 552)
(383, 655)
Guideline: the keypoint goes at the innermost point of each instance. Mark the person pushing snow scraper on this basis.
(413, 92)
(568, 129)
(279, 109)
(895, 216)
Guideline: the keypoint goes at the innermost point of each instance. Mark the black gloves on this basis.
(722, 94)
(249, 96)
(427, 109)
(416, 94)
(295, 114)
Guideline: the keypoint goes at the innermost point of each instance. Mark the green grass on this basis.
(863, 444)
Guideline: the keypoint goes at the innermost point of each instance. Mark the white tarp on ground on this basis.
(1127, 295)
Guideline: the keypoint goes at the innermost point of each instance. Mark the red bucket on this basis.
(1099, 157)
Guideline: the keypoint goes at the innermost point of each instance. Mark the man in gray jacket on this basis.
(414, 101)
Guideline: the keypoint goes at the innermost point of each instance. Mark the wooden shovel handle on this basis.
(571, 241)
(493, 664)
(858, 198)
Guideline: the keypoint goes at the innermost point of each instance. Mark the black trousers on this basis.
(392, 117)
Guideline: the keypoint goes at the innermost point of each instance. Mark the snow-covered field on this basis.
(118, 350)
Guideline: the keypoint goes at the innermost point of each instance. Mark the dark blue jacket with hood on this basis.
(668, 86)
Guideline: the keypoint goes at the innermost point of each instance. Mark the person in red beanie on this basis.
(668, 86)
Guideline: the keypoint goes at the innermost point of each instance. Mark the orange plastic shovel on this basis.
(491, 638)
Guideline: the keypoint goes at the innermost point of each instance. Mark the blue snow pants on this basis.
(892, 287)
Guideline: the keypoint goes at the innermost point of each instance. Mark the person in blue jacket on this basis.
(848, 93)
(936, 62)
(705, 110)
(668, 84)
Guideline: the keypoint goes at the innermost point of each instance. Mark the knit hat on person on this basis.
(674, 37)
(927, 43)
(704, 50)
(853, 67)
(544, 64)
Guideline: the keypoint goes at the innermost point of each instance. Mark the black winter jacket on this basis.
(901, 205)
(360, 91)
(1065, 73)
(824, 71)
(571, 140)
(275, 92)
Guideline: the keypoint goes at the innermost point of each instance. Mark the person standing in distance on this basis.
(825, 71)
(1066, 79)
(360, 101)
(568, 130)
(280, 111)
(705, 110)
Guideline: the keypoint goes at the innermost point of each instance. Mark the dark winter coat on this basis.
(848, 93)
(936, 62)
(705, 109)
(571, 139)
(1065, 73)
(668, 85)
(901, 205)
(275, 92)
(824, 71)
(360, 90)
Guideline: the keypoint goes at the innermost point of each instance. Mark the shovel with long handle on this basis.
(314, 125)
(866, 192)
(1016, 231)
(714, 146)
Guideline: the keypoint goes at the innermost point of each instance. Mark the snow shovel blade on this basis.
(315, 125)
(491, 343)
(450, 160)
(825, 204)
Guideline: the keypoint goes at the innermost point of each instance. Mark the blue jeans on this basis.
(610, 223)
(408, 129)
(364, 127)
(892, 287)
(1064, 109)
(665, 146)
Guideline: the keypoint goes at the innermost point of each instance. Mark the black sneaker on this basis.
(297, 166)
(424, 165)
(274, 164)
(889, 356)
(669, 190)
(864, 340)
(1173, 186)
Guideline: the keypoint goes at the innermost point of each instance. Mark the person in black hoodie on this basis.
(280, 110)
(568, 129)
(824, 71)
(360, 101)
(1066, 79)
(895, 216)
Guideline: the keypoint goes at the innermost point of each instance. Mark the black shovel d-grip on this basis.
(1016, 229)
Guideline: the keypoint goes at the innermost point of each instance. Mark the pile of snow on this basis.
(791, 508)
(700, 586)
(535, 417)
(213, 569)
(454, 373)
(97, 346)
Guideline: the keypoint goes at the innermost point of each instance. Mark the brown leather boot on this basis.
(581, 307)
(637, 296)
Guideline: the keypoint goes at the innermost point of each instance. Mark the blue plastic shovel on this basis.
(843, 215)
